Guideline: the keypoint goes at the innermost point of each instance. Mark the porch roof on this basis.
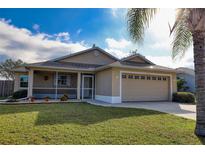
(64, 65)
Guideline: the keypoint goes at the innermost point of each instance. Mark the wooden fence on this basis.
(6, 87)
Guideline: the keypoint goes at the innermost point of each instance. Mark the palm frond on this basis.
(182, 35)
(179, 14)
(138, 20)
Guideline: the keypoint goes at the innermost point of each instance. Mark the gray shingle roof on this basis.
(64, 65)
(145, 65)
(93, 67)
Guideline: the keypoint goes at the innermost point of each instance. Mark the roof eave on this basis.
(60, 68)
(101, 68)
(18, 71)
(134, 67)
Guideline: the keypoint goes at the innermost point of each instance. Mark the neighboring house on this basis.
(96, 74)
(188, 75)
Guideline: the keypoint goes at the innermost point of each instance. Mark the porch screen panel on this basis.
(71, 93)
(42, 93)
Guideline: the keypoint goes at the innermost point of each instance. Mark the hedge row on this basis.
(184, 97)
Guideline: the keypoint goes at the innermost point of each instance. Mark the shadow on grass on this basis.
(76, 113)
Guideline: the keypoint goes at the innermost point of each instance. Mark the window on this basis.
(164, 78)
(142, 77)
(24, 81)
(124, 76)
(63, 80)
(159, 78)
(130, 76)
(154, 78)
(137, 77)
(148, 78)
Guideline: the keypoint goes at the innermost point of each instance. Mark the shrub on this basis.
(47, 98)
(184, 97)
(64, 97)
(181, 85)
(32, 99)
(19, 94)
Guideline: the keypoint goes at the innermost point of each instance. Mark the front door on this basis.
(87, 87)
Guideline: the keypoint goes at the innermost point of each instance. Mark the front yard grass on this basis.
(82, 123)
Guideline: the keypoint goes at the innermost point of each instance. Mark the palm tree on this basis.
(188, 29)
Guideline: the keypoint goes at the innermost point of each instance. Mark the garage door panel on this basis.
(144, 90)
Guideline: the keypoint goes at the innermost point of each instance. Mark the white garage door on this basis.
(145, 87)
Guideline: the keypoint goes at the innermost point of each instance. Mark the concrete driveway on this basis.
(178, 109)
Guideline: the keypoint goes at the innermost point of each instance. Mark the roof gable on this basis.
(93, 55)
(137, 58)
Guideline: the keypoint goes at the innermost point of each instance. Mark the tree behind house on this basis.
(6, 68)
(181, 85)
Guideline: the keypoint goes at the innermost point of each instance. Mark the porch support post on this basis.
(78, 85)
(30, 83)
(56, 88)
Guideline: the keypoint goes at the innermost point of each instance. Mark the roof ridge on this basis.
(84, 51)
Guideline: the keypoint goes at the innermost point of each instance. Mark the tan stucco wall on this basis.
(104, 82)
(116, 79)
(115, 82)
(137, 59)
(17, 81)
(92, 57)
(174, 82)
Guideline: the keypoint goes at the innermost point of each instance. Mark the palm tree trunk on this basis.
(199, 61)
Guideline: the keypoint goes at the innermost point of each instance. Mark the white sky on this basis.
(157, 43)
(158, 32)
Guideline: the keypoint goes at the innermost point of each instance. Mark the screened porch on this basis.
(54, 84)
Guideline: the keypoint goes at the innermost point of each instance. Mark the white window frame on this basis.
(68, 80)
(87, 88)
(21, 81)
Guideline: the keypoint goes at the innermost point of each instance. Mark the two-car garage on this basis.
(145, 87)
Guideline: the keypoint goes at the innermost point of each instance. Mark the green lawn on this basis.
(81, 123)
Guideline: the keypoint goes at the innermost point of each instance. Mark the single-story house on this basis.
(188, 75)
(96, 74)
